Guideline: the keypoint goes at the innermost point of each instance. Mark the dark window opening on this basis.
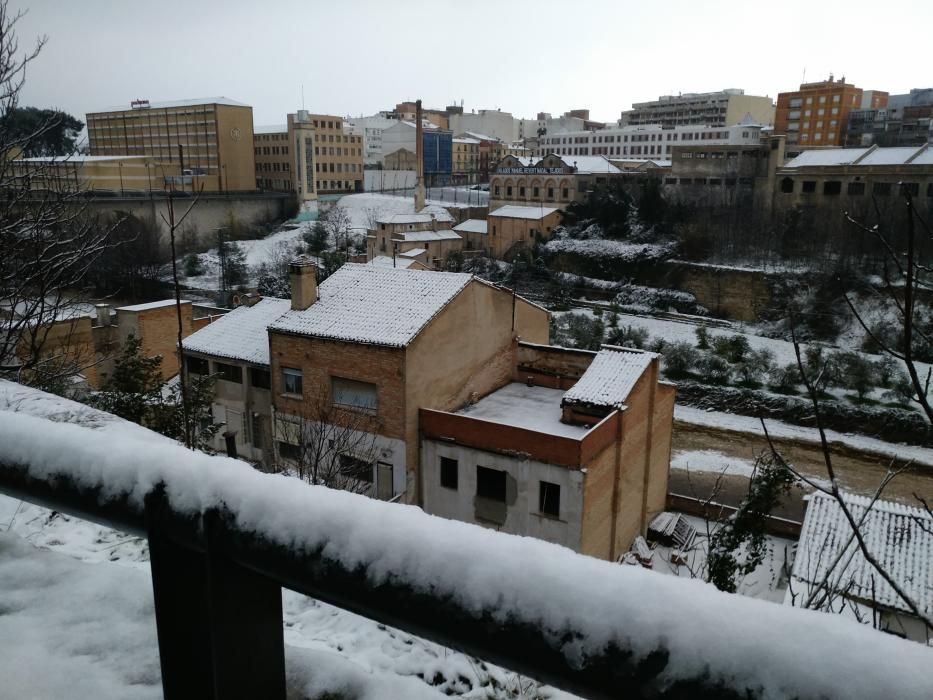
(855, 188)
(197, 365)
(549, 498)
(289, 451)
(260, 378)
(787, 185)
(449, 473)
(356, 468)
(832, 187)
(490, 484)
(911, 188)
(809, 186)
(881, 189)
(229, 373)
(291, 381)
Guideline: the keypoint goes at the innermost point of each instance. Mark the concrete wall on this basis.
(210, 213)
(727, 292)
(521, 514)
(503, 233)
(157, 328)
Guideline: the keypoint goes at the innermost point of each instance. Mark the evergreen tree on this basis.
(133, 386)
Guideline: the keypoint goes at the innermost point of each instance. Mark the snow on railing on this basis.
(586, 625)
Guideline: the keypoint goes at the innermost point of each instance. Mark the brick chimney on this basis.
(103, 314)
(302, 278)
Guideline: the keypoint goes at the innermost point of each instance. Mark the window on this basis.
(911, 188)
(881, 189)
(490, 484)
(550, 193)
(291, 381)
(229, 373)
(565, 193)
(289, 451)
(260, 378)
(809, 186)
(549, 499)
(449, 475)
(832, 187)
(197, 365)
(353, 394)
(356, 468)
(535, 192)
(508, 191)
(855, 188)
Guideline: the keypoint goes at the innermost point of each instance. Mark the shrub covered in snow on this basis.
(633, 297)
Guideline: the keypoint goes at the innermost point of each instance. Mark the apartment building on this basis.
(651, 141)
(465, 166)
(338, 165)
(371, 128)
(907, 120)
(817, 114)
(500, 125)
(472, 415)
(210, 140)
(714, 109)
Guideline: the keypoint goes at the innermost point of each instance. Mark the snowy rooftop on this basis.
(426, 236)
(175, 103)
(465, 140)
(376, 305)
(240, 334)
(899, 536)
(151, 305)
(413, 253)
(610, 377)
(423, 218)
(530, 407)
(472, 226)
(517, 211)
(270, 129)
(591, 165)
(439, 213)
(478, 136)
(896, 155)
(400, 262)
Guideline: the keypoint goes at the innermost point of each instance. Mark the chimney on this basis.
(302, 278)
(419, 159)
(103, 314)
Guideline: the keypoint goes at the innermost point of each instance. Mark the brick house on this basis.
(473, 415)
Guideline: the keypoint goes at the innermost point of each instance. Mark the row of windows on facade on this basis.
(271, 150)
(491, 485)
(613, 151)
(344, 392)
(640, 138)
(800, 101)
(153, 130)
(535, 192)
(331, 151)
(714, 181)
(334, 185)
(855, 187)
(272, 167)
(269, 184)
(341, 167)
(156, 113)
(687, 155)
(794, 115)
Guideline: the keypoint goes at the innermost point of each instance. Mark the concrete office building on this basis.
(492, 122)
(371, 128)
(721, 108)
(209, 139)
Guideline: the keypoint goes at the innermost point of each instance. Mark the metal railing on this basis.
(218, 606)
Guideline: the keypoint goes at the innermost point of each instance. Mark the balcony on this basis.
(224, 539)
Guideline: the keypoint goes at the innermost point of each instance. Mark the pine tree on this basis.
(131, 389)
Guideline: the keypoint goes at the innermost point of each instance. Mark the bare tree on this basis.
(328, 444)
(47, 239)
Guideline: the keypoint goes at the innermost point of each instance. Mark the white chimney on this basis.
(103, 314)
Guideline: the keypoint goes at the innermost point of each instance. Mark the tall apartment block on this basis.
(209, 140)
(311, 154)
(817, 114)
(723, 108)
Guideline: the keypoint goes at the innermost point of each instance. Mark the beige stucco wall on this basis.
(532, 323)
(503, 232)
(235, 160)
(451, 360)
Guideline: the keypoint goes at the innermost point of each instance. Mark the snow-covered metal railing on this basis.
(225, 538)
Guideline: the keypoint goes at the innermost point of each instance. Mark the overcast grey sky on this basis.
(360, 56)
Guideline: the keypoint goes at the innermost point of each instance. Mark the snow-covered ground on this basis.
(778, 429)
(767, 582)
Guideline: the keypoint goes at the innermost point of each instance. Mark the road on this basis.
(857, 472)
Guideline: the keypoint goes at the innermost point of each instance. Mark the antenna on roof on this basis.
(302, 97)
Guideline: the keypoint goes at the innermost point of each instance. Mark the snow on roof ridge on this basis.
(611, 376)
(189, 102)
(374, 305)
(241, 334)
(151, 305)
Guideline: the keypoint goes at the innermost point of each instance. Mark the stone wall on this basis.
(734, 293)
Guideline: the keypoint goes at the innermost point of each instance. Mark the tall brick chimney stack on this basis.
(302, 278)
(419, 159)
